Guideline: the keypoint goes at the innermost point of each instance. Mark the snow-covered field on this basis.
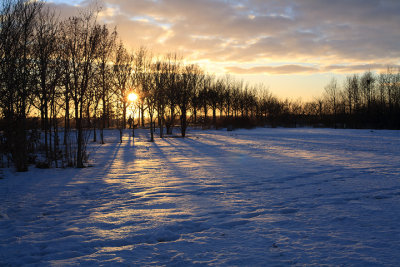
(249, 197)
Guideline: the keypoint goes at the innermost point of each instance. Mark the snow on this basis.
(247, 197)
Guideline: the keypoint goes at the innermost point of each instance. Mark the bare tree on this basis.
(332, 95)
(195, 96)
(367, 83)
(144, 79)
(48, 72)
(17, 23)
(212, 97)
(150, 98)
(186, 88)
(203, 97)
(138, 75)
(173, 68)
(227, 96)
(123, 67)
(160, 75)
(105, 50)
(80, 38)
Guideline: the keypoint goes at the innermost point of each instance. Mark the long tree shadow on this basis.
(212, 166)
(167, 159)
(61, 202)
(221, 152)
(128, 149)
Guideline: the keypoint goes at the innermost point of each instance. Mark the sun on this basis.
(132, 97)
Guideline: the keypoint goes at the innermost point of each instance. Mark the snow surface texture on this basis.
(248, 197)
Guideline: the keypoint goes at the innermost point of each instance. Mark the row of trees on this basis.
(363, 101)
(54, 67)
(75, 76)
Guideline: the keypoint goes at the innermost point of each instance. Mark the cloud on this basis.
(64, 11)
(359, 68)
(301, 69)
(283, 69)
(329, 33)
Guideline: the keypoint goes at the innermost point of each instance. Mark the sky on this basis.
(294, 47)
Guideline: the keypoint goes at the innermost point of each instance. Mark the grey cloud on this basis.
(63, 10)
(283, 69)
(292, 69)
(359, 68)
(320, 32)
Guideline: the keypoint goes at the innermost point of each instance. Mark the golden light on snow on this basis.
(132, 97)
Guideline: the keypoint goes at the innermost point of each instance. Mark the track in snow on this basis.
(248, 197)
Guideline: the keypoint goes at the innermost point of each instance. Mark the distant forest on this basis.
(62, 80)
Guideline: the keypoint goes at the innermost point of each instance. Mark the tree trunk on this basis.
(66, 118)
(160, 125)
(45, 124)
(214, 109)
(133, 126)
(103, 120)
(205, 114)
(124, 115)
(142, 113)
(171, 122)
(151, 128)
(20, 151)
(80, 152)
(183, 122)
(55, 127)
(94, 127)
(194, 115)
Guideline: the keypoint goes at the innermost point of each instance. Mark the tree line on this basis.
(71, 79)
(368, 100)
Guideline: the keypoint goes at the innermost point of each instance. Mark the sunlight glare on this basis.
(132, 97)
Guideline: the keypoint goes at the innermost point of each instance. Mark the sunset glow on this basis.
(199, 132)
(293, 47)
(132, 97)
